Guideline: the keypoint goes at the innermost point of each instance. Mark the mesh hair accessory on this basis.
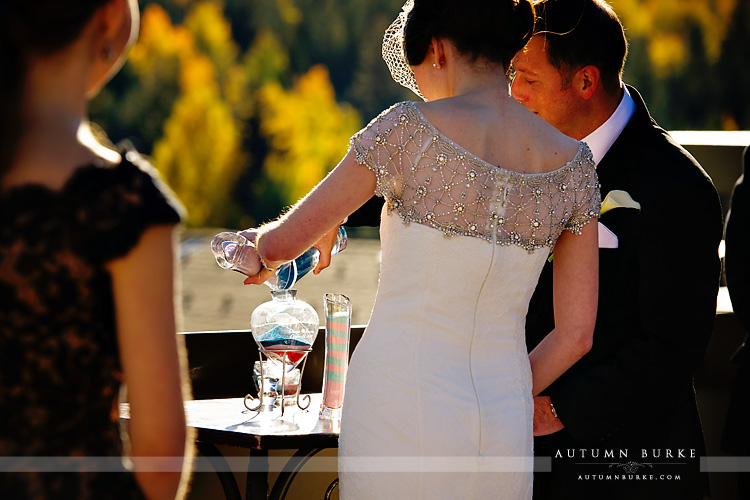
(394, 54)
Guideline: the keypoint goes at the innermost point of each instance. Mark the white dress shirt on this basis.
(601, 139)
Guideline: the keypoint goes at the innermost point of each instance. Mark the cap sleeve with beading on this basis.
(381, 146)
(587, 199)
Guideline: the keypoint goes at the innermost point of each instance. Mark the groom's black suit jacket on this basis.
(657, 303)
(736, 439)
(738, 250)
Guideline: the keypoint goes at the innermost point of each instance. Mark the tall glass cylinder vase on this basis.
(338, 311)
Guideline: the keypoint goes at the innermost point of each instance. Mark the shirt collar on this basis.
(601, 139)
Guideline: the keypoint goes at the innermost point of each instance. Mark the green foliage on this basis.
(266, 61)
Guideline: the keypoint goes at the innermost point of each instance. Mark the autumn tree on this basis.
(676, 46)
(667, 25)
(307, 130)
(261, 199)
(200, 152)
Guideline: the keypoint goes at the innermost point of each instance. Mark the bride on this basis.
(478, 191)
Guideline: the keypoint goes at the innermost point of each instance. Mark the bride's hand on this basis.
(259, 278)
(324, 246)
(545, 422)
(250, 234)
(264, 272)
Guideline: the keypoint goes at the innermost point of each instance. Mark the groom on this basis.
(623, 422)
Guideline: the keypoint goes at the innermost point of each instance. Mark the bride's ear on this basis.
(437, 53)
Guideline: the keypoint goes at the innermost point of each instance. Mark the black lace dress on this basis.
(59, 361)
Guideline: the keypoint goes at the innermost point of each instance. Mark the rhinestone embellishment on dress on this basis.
(472, 197)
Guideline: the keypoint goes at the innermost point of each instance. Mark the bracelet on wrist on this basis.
(260, 257)
(266, 267)
(552, 409)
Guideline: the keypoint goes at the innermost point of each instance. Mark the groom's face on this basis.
(542, 89)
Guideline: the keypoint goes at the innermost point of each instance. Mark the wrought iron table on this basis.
(228, 422)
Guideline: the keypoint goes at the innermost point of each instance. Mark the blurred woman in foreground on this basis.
(86, 270)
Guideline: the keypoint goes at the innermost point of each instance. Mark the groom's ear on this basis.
(587, 81)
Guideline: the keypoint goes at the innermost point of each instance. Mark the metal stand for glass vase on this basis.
(281, 356)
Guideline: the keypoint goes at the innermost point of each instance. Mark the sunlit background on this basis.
(244, 105)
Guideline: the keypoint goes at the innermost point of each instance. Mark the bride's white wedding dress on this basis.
(438, 399)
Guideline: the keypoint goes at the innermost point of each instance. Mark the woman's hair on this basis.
(31, 28)
(492, 29)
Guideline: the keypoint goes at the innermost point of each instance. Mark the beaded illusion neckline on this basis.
(429, 179)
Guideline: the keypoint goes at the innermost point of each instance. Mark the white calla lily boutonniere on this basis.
(618, 199)
(614, 199)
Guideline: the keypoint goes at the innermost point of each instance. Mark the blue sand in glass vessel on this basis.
(290, 273)
(281, 336)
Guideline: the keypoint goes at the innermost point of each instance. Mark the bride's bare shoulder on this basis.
(506, 134)
(553, 148)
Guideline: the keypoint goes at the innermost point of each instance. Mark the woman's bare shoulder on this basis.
(548, 147)
(506, 135)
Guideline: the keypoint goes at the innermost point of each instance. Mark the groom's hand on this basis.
(545, 422)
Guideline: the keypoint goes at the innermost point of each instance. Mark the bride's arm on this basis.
(575, 289)
(343, 191)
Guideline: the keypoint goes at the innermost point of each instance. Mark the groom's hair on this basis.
(581, 33)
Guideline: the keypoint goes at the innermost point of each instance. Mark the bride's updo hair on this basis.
(492, 29)
(27, 29)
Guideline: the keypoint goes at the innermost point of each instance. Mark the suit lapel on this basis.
(615, 167)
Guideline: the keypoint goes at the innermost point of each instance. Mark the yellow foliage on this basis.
(213, 33)
(307, 129)
(158, 42)
(267, 59)
(289, 12)
(666, 24)
(237, 92)
(200, 151)
(667, 52)
(729, 122)
(198, 71)
(200, 154)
